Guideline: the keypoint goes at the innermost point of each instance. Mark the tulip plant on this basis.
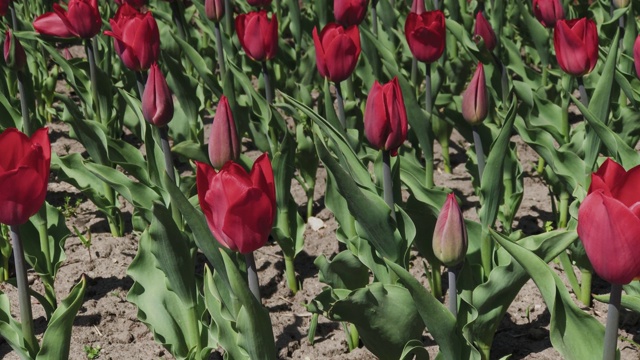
(163, 72)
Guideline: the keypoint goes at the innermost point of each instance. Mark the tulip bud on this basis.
(636, 55)
(223, 139)
(620, 3)
(4, 6)
(475, 100)
(450, 234)
(385, 117)
(425, 35)
(157, 101)
(417, 6)
(214, 9)
(548, 12)
(576, 44)
(337, 51)
(350, 12)
(258, 34)
(483, 28)
(14, 55)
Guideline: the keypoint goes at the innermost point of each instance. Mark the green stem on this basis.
(568, 270)
(169, 169)
(477, 142)
(414, 74)
(374, 18)
(24, 107)
(26, 316)
(312, 328)
(114, 218)
(444, 144)
(267, 83)
(541, 165)
(486, 252)
(93, 74)
(387, 182)
(545, 75)
(428, 152)
(340, 101)
(564, 209)
(252, 275)
(310, 203)
(290, 270)
(453, 291)
(351, 95)
(584, 97)
(611, 330)
(219, 50)
(435, 279)
(228, 17)
(585, 289)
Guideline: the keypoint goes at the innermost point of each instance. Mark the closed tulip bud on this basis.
(240, 208)
(223, 141)
(483, 29)
(620, 3)
(259, 3)
(417, 6)
(14, 55)
(548, 12)
(450, 234)
(636, 55)
(609, 223)
(24, 174)
(385, 117)
(136, 37)
(214, 9)
(4, 6)
(576, 44)
(258, 34)
(337, 51)
(81, 19)
(425, 35)
(350, 12)
(475, 100)
(157, 101)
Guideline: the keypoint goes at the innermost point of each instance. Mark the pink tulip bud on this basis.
(548, 12)
(450, 235)
(157, 101)
(636, 55)
(475, 100)
(214, 9)
(483, 28)
(223, 141)
(14, 55)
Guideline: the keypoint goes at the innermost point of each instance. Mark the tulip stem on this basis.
(435, 278)
(220, 50)
(24, 107)
(290, 270)
(340, 101)
(428, 151)
(252, 275)
(584, 97)
(267, 83)
(436, 4)
(453, 290)
(26, 316)
(585, 289)
(414, 74)
(374, 18)
(91, 56)
(387, 182)
(166, 149)
(477, 141)
(228, 17)
(611, 330)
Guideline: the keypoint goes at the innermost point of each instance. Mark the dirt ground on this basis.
(107, 320)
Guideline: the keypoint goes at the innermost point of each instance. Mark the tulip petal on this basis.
(51, 24)
(320, 55)
(15, 144)
(262, 176)
(610, 231)
(249, 232)
(23, 194)
(570, 49)
(342, 55)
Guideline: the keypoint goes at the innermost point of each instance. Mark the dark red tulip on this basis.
(636, 55)
(475, 99)
(81, 19)
(576, 44)
(258, 34)
(418, 7)
(425, 35)
(223, 141)
(609, 223)
(450, 234)
(14, 55)
(135, 3)
(259, 3)
(136, 37)
(24, 174)
(214, 9)
(385, 117)
(350, 12)
(4, 6)
(157, 101)
(239, 207)
(337, 51)
(548, 12)
(483, 29)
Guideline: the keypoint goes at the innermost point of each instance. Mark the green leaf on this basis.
(344, 271)
(199, 64)
(10, 329)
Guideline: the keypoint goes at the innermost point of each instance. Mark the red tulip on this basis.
(223, 141)
(425, 35)
(609, 223)
(417, 6)
(214, 9)
(258, 35)
(239, 207)
(14, 55)
(135, 3)
(483, 29)
(548, 12)
(337, 51)
(157, 101)
(350, 12)
(576, 44)
(636, 55)
(24, 174)
(385, 117)
(259, 3)
(4, 6)
(450, 234)
(475, 100)
(81, 19)
(136, 37)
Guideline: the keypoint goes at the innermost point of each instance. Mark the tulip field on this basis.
(328, 179)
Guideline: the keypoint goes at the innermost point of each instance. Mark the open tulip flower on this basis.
(337, 51)
(350, 12)
(258, 34)
(81, 19)
(385, 117)
(609, 223)
(136, 37)
(425, 35)
(548, 12)
(24, 174)
(576, 44)
(240, 208)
